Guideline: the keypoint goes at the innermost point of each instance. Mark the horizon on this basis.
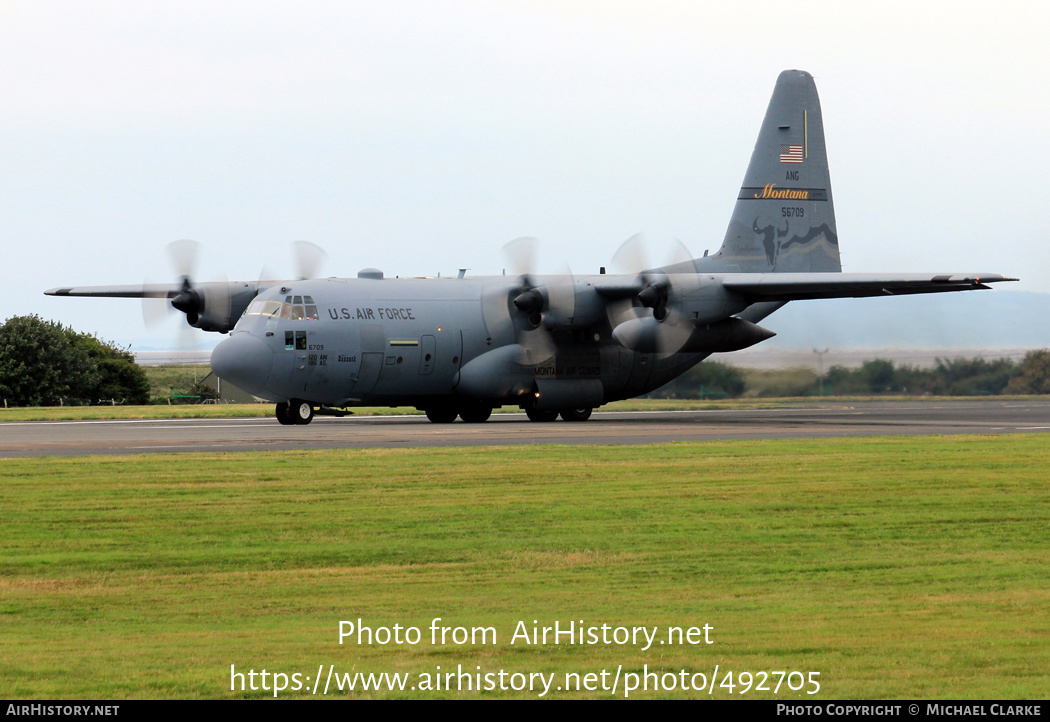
(419, 138)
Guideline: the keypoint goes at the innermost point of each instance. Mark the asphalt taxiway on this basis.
(809, 420)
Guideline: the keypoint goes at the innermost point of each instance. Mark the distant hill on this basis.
(969, 320)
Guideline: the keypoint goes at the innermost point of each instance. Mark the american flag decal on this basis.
(791, 154)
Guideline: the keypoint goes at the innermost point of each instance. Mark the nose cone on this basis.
(244, 361)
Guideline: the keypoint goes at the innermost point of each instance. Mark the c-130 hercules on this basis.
(549, 344)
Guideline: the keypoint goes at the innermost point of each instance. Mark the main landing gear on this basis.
(479, 414)
(295, 411)
(469, 414)
(566, 414)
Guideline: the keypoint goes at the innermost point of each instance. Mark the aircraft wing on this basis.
(147, 290)
(213, 306)
(802, 286)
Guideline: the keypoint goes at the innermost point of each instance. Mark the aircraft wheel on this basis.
(576, 414)
(542, 416)
(475, 414)
(301, 412)
(282, 414)
(441, 414)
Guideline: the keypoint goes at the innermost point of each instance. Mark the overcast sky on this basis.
(419, 137)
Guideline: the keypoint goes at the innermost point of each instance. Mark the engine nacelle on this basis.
(707, 301)
(215, 306)
(563, 304)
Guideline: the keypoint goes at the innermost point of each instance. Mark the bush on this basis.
(43, 363)
(704, 380)
(1034, 377)
(950, 377)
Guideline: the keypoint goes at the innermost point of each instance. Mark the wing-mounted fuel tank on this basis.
(645, 335)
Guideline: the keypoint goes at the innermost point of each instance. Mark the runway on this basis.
(804, 420)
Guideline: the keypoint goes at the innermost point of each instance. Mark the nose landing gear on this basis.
(295, 411)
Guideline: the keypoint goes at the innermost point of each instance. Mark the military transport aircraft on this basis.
(553, 345)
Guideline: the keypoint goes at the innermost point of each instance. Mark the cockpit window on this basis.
(303, 308)
(264, 308)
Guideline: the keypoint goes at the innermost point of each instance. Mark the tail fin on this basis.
(784, 219)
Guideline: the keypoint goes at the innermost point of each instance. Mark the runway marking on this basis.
(122, 421)
(201, 426)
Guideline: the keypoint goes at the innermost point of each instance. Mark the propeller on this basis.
(521, 255)
(667, 329)
(631, 256)
(539, 304)
(183, 257)
(193, 300)
(308, 259)
(214, 306)
(155, 306)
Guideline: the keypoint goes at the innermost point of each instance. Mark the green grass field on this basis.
(894, 567)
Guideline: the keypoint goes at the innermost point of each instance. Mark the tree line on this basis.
(948, 377)
(43, 363)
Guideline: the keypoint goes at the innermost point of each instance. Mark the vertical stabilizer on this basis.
(784, 219)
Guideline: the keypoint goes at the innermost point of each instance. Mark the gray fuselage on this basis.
(418, 342)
